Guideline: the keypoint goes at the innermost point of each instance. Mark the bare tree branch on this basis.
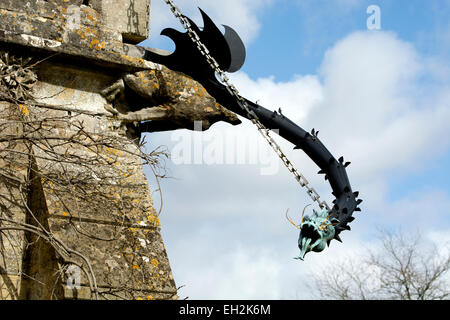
(402, 268)
(77, 166)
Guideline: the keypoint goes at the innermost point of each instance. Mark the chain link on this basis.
(243, 104)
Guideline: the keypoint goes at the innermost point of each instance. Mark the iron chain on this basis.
(243, 104)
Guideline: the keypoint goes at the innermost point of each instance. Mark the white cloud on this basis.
(372, 85)
(295, 98)
(441, 240)
(369, 105)
(256, 268)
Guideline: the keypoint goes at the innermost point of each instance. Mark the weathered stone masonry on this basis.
(82, 47)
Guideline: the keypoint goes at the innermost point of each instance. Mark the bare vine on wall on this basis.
(81, 170)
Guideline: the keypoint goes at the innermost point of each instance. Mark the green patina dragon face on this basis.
(315, 232)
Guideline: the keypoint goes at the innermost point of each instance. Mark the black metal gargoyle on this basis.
(229, 52)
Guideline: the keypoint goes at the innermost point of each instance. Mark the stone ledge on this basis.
(104, 222)
(50, 27)
(106, 58)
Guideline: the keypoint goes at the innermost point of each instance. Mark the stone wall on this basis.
(72, 188)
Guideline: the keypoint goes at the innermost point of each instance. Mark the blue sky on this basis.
(223, 224)
(304, 30)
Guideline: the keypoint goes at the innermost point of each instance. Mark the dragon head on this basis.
(315, 231)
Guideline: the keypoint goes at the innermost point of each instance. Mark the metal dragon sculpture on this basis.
(228, 50)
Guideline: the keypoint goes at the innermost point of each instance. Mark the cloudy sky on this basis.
(380, 98)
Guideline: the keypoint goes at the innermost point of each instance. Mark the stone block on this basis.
(128, 17)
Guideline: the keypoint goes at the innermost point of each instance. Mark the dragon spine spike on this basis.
(347, 164)
(237, 49)
(341, 159)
